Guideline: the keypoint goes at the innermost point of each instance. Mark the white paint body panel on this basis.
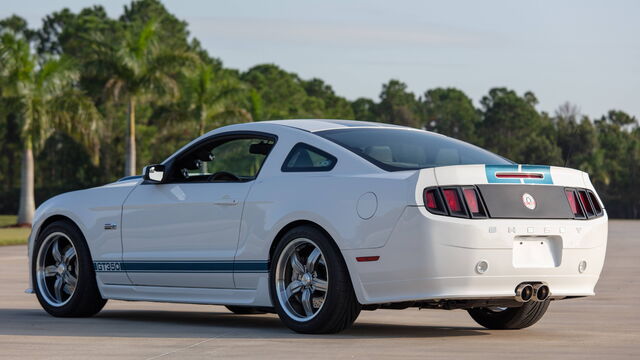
(422, 255)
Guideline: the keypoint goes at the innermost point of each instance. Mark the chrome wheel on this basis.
(301, 279)
(57, 269)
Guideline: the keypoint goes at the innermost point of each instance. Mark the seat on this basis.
(380, 153)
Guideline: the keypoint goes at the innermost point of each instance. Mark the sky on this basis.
(584, 52)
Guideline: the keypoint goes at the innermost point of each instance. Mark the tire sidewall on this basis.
(86, 272)
(336, 272)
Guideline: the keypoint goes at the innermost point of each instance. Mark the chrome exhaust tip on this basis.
(541, 292)
(524, 293)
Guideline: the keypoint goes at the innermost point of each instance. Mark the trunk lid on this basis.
(511, 191)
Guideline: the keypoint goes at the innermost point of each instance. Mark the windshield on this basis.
(395, 149)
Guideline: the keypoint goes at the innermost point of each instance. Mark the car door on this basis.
(184, 232)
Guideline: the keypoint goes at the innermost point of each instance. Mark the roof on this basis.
(313, 125)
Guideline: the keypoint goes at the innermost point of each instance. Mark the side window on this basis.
(305, 157)
(237, 159)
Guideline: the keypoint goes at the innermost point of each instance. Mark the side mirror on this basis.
(154, 173)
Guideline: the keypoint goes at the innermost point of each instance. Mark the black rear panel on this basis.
(506, 201)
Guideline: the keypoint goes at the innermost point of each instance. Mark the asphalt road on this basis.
(603, 327)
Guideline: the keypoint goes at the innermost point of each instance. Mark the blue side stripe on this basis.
(181, 266)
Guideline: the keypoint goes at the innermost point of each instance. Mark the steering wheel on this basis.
(223, 176)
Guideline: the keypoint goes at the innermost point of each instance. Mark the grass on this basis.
(12, 236)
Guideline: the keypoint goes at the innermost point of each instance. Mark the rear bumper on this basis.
(431, 257)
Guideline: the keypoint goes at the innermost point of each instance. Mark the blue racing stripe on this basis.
(491, 170)
(181, 266)
(545, 170)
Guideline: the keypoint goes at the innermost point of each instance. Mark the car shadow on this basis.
(191, 324)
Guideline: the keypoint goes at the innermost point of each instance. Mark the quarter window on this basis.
(305, 158)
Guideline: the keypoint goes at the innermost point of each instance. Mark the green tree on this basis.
(211, 98)
(398, 105)
(330, 105)
(137, 68)
(512, 127)
(365, 109)
(450, 112)
(281, 94)
(43, 98)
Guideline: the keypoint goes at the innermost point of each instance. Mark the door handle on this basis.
(226, 201)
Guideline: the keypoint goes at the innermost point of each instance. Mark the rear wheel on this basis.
(510, 318)
(63, 275)
(309, 283)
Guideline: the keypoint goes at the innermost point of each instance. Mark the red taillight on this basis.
(596, 203)
(430, 198)
(451, 196)
(433, 201)
(471, 198)
(451, 201)
(586, 203)
(571, 196)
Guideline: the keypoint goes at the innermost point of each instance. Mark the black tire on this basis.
(244, 310)
(340, 307)
(85, 300)
(511, 318)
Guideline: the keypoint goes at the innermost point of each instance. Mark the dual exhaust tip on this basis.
(526, 292)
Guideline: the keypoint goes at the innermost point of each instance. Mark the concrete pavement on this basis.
(605, 326)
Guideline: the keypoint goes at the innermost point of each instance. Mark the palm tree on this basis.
(136, 67)
(43, 98)
(211, 98)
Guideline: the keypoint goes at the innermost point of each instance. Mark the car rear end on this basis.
(492, 232)
(477, 227)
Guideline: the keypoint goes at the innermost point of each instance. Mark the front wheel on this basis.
(309, 283)
(63, 275)
(510, 318)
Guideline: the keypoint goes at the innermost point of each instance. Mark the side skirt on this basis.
(244, 297)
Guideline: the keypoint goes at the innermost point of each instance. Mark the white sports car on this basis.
(317, 220)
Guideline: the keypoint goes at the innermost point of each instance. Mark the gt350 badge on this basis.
(107, 266)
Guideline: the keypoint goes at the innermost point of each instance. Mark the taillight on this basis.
(454, 201)
(583, 203)
(430, 199)
(473, 202)
(574, 203)
(584, 199)
(596, 204)
(433, 201)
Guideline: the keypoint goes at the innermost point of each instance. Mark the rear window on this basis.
(405, 149)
